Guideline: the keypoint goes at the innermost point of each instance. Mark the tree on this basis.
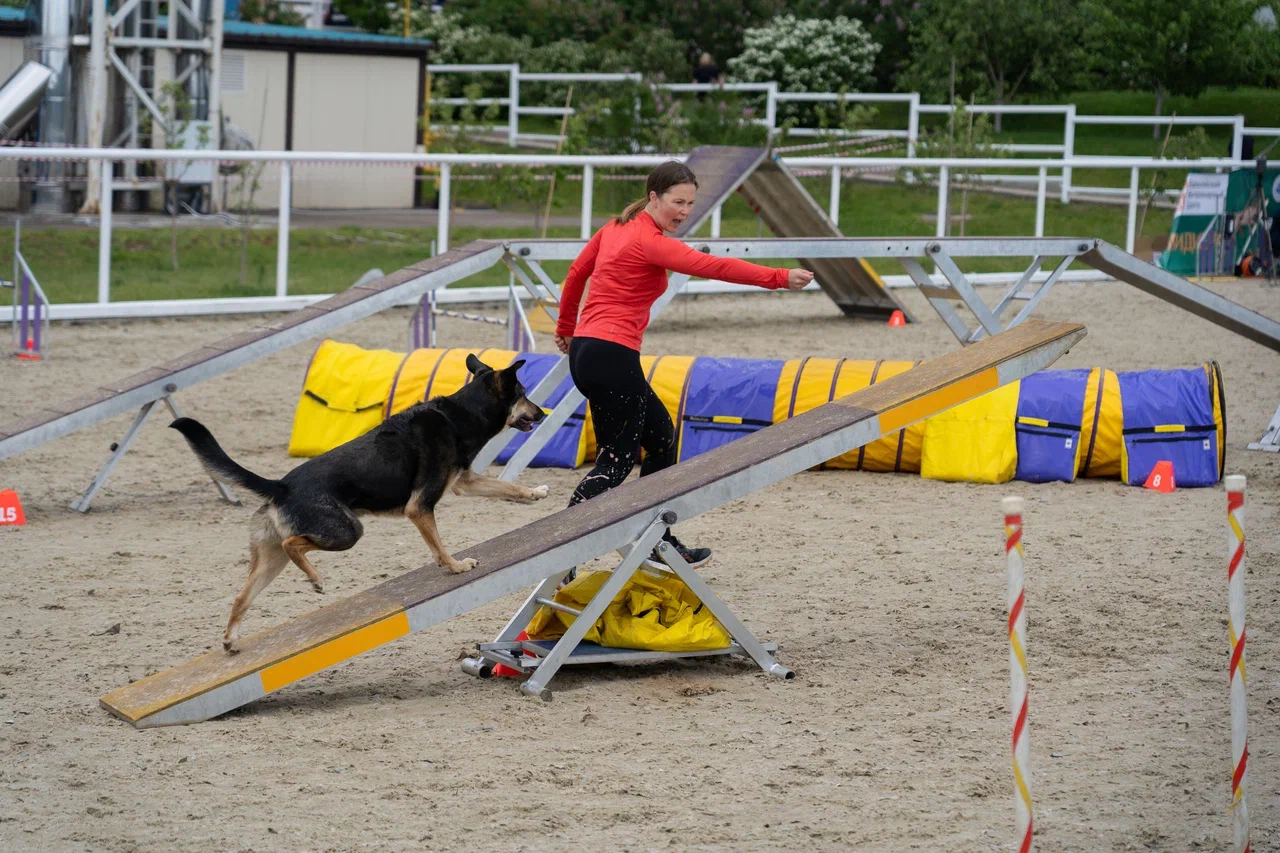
(717, 27)
(998, 47)
(807, 55)
(269, 12)
(888, 22)
(1172, 47)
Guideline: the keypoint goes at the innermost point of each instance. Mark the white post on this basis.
(1235, 484)
(1040, 194)
(913, 124)
(513, 114)
(104, 235)
(214, 58)
(1068, 151)
(715, 222)
(771, 110)
(1237, 138)
(442, 219)
(943, 178)
(588, 190)
(1132, 227)
(282, 230)
(1018, 672)
(834, 206)
(97, 102)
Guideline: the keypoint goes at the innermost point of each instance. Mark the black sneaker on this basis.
(695, 557)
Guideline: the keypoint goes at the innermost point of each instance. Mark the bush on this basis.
(807, 55)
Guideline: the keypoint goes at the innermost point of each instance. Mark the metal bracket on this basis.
(1270, 440)
(119, 449)
(960, 289)
(542, 662)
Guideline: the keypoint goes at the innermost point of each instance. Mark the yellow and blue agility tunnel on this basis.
(1055, 425)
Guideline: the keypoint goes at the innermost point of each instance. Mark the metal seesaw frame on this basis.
(547, 658)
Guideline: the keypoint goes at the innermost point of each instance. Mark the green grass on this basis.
(329, 260)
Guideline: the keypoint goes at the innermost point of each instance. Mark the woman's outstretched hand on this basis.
(797, 279)
(562, 343)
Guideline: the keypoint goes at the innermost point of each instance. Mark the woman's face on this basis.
(672, 207)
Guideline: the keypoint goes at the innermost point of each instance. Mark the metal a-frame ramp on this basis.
(635, 513)
(146, 389)
(786, 207)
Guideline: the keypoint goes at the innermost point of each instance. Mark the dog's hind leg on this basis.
(266, 560)
(297, 547)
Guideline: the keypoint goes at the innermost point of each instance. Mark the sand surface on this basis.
(886, 592)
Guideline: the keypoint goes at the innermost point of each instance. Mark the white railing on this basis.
(773, 97)
(947, 170)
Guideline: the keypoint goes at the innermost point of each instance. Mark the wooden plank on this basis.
(720, 170)
(346, 628)
(294, 638)
(787, 208)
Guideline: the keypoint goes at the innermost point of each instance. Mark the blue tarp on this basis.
(1050, 406)
(726, 398)
(1168, 415)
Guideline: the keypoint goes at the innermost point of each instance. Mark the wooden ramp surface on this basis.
(217, 682)
(50, 421)
(789, 211)
(787, 208)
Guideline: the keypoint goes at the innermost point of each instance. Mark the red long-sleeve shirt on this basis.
(628, 266)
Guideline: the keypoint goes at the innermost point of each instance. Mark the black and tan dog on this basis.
(402, 467)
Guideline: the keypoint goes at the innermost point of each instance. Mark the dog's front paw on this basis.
(460, 566)
(537, 493)
(231, 645)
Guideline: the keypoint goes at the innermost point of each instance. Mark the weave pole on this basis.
(1235, 626)
(1012, 508)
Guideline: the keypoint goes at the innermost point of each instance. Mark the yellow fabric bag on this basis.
(652, 612)
(342, 397)
(975, 442)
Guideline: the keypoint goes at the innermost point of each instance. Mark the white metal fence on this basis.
(947, 171)
(773, 97)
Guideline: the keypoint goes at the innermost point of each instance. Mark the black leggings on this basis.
(627, 414)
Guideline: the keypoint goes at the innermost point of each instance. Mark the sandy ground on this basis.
(887, 593)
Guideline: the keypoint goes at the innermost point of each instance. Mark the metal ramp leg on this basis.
(544, 662)
(1270, 440)
(960, 289)
(85, 501)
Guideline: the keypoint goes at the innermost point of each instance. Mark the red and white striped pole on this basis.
(1018, 670)
(1235, 625)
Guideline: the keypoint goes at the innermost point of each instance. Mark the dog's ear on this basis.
(515, 366)
(475, 365)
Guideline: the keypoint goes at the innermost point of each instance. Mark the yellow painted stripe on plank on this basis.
(936, 401)
(327, 654)
(1170, 428)
(726, 419)
(1040, 422)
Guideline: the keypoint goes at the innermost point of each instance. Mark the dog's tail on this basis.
(221, 465)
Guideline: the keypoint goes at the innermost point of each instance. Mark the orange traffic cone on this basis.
(11, 509)
(502, 670)
(897, 318)
(1161, 477)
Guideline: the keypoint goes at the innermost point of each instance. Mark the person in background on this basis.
(706, 71)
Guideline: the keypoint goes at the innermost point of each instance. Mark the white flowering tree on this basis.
(807, 55)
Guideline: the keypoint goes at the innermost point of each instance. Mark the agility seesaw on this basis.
(635, 513)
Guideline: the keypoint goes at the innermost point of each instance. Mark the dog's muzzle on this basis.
(525, 423)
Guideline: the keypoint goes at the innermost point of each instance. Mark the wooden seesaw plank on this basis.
(217, 682)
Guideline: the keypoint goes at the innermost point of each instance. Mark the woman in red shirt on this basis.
(627, 261)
